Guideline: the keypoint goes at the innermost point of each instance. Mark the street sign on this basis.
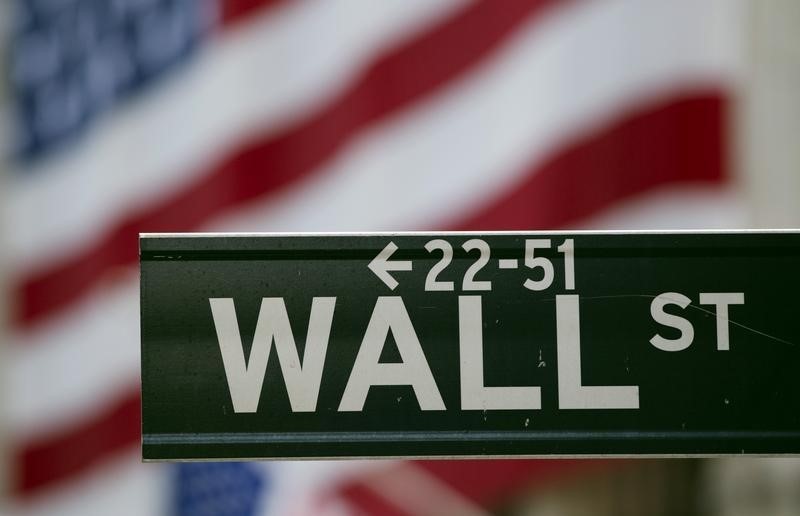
(466, 344)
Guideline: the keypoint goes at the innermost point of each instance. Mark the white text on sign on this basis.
(245, 376)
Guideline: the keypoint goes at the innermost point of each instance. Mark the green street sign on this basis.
(467, 344)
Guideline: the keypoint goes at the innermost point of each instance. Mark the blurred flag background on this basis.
(127, 116)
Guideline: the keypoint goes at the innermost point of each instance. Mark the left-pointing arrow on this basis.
(381, 265)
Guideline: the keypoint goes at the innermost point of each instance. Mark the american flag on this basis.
(128, 116)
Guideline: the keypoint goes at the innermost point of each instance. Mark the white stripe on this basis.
(418, 492)
(303, 488)
(416, 172)
(556, 79)
(122, 487)
(255, 77)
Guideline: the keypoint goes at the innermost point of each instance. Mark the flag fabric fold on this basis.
(319, 115)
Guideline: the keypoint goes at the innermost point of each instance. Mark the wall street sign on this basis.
(466, 344)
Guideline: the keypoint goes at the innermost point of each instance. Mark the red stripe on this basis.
(682, 141)
(232, 11)
(271, 163)
(367, 502)
(64, 455)
(485, 482)
(674, 142)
